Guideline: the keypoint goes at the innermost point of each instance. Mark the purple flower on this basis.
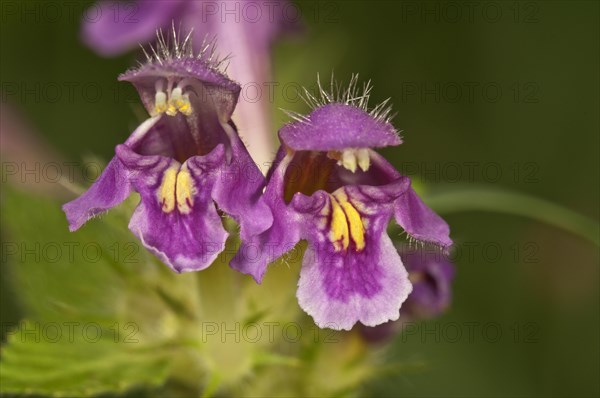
(329, 187)
(114, 27)
(244, 28)
(182, 160)
(431, 274)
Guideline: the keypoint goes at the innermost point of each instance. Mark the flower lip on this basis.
(339, 126)
(182, 68)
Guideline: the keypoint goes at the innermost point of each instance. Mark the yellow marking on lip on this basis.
(185, 191)
(166, 191)
(346, 223)
(176, 189)
(357, 229)
(339, 227)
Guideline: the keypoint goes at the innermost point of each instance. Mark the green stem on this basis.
(516, 204)
(211, 387)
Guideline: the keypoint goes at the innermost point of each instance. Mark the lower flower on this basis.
(330, 187)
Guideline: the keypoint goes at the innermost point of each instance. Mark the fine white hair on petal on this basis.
(174, 46)
(296, 116)
(353, 94)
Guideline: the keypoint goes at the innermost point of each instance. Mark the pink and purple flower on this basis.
(186, 161)
(245, 30)
(331, 188)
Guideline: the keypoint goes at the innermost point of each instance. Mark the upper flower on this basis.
(245, 28)
(186, 156)
(177, 79)
(330, 187)
(119, 27)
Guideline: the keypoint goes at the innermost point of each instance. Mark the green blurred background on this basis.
(501, 87)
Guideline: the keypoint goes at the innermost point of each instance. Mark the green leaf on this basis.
(265, 358)
(37, 360)
(111, 288)
(60, 274)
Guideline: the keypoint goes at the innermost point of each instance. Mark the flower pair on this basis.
(327, 186)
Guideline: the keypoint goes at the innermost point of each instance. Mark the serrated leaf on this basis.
(115, 278)
(33, 362)
(57, 273)
(101, 292)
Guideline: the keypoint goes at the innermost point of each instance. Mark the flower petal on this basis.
(351, 271)
(176, 218)
(238, 190)
(112, 27)
(374, 197)
(419, 221)
(179, 137)
(208, 86)
(431, 273)
(257, 252)
(340, 290)
(249, 40)
(111, 188)
(335, 127)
